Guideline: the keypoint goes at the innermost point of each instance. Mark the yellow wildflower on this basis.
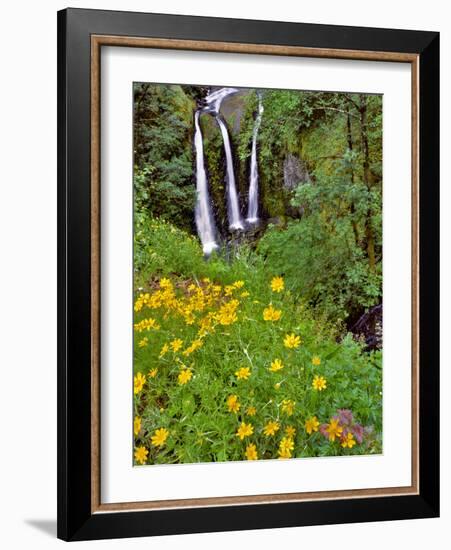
(271, 428)
(164, 350)
(238, 284)
(277, 284)
(316, 361)
(334, 429)
(292, 341)
(311, 425)
(159, 437)
(153, 373)
(251, 452)
(227, 313)
(141, 454)
(251, 411)
(197, 302)
(184, 377)
(143, 300)
(206, 325)
(154, 301)
(285, 447)
(288, 406)
(276, 365)
(165, 283)
(147, 324)
(348, 441)
(244, 430)
(319, 383)
(245, 294)
(138, 382)
(196, 344)
(176, 344)
(139, 303)
(232, 403)
(189, 317)
(284, 453)
(271, 314)
(143, 342)
(290, 431)
(136, 425)
(243, 373)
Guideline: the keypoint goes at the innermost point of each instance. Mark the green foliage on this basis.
(201, 427)
(163, 175)
(161, 249)
(322, 254)
(322, 264)
(332, 255)
(324, 238)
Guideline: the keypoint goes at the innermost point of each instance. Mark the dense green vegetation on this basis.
(209, 332)
(163, 173)
(325, 230)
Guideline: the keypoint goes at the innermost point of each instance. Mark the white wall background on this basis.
(28, 271)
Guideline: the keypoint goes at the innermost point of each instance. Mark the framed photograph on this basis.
(248, 274)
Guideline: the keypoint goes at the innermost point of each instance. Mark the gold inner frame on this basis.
(97, 41)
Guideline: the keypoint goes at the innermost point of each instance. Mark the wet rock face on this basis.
(294, 172)
(232, 109)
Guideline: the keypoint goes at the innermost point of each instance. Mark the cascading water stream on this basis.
(213, 104)
(252, 211)
(234, 215)
(214, 99)
(204, 218)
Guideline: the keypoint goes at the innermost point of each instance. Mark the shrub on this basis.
(324, 267)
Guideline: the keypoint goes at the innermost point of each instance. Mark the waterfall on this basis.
(252, 212)
(213, 104)
(232, 195)
(204, 218)
(214, 99)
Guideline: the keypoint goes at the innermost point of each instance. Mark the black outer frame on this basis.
(75, 520)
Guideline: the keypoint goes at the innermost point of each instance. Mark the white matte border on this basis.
(120, 481)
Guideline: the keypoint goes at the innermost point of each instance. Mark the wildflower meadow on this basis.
(229, 365)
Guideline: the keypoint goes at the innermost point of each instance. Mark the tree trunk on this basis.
(369, 235)
(350, 147)
(349, 137)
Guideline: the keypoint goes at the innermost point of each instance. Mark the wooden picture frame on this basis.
(81, 35)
